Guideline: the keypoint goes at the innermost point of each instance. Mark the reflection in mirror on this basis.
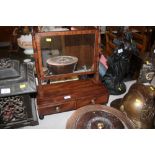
(64, 54)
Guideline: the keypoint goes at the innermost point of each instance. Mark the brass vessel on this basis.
(138, 105)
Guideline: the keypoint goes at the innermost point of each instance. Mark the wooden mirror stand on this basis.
(59, 92)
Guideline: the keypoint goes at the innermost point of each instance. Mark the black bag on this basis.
(118, 67)
(121, 64)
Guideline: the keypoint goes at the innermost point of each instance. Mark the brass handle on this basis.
(100, 125)
(57, 109)
(122, 108)
(93, 101)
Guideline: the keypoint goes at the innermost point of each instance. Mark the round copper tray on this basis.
(98, 117)
(62, 64)
(62, 60)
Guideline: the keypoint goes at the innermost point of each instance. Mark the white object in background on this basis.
(103, 29)
(27, 60)
(28, 51)
(120, 50)
(5, 91)
(25, 42)
(67, 97)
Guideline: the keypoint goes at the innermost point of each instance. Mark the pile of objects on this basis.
(147, 71)
(121, 64)
(139, 103)
(17, 94)
(135, 110)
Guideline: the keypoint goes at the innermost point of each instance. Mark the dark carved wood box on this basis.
(68, 90)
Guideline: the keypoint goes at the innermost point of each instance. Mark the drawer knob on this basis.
(57, 109)
(93, 101)
(100, 125)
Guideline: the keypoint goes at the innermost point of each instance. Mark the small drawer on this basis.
(91, 100)
(61, 107)
(85, 101)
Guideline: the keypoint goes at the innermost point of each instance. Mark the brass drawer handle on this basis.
(57, 109)
(93, 101)
(100, 125)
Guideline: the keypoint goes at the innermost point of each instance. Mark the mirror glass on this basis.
(63, 54)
